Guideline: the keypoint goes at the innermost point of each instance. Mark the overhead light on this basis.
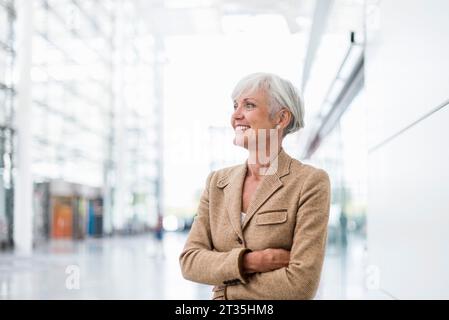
(346, 84)
(335, 90)
(352, 59)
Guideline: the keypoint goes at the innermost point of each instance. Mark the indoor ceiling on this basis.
(187, 17)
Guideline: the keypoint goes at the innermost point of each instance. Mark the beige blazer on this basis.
(289, 210)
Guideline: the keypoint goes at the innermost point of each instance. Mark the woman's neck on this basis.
(259, 163)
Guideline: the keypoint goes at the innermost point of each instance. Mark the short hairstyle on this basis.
(281, 93)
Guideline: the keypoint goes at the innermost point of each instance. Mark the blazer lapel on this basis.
(233, 197)
(268, 186)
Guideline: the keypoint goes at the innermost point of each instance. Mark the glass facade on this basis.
(94, 119)
(7, 133)
(343, 154)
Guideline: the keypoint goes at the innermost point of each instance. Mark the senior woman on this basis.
(261, 227)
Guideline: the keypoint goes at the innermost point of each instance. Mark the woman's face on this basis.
(251, 113)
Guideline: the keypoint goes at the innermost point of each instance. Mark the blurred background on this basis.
(113, 112)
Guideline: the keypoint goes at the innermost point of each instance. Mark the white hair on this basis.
(281, 93)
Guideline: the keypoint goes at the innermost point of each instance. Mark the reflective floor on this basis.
(140, 268)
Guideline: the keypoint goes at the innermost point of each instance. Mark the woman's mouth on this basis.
(241, 128)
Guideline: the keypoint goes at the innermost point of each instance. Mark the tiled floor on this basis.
(134, 268)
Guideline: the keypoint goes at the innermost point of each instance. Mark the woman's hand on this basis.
(265, 260)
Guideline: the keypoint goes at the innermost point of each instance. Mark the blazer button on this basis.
(239, 240)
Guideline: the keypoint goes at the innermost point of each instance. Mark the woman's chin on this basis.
(240, 141)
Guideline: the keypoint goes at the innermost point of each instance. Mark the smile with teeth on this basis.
(241, 128)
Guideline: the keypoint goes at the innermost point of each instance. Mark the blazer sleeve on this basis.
(199, 261)
(301, 278)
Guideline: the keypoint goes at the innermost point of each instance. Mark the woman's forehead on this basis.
(258, 95)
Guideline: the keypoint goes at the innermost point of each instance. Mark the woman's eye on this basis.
(247, 106)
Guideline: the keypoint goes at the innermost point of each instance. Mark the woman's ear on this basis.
(285, 117)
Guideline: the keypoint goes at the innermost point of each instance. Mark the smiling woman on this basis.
(261, 104)
(260, 229)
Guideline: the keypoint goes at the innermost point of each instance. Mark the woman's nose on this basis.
(237, 114)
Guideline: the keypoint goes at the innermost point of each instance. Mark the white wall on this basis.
(407, 76)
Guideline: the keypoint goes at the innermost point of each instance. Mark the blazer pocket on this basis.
(271, 217)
